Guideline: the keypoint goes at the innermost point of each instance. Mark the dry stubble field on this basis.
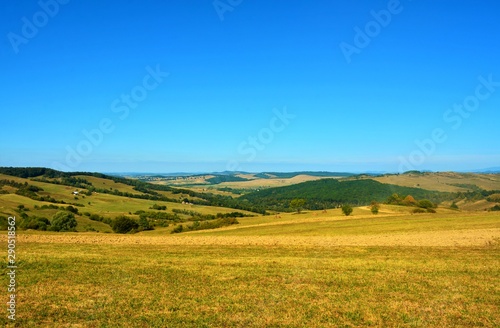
(391, 271)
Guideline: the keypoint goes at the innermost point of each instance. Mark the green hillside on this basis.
(225, 178)
(327, 193)
(139, 189)
(95, 201)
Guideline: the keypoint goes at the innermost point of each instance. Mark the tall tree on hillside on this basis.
(374, 207)
(297, 204)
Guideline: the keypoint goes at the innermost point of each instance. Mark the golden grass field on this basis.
(269, 183)
(310, 270)
(440, 181)
(443, 181)
(199, 183)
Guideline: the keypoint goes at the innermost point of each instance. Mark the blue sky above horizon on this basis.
(184, 85)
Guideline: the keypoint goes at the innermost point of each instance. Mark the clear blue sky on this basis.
(183, 85)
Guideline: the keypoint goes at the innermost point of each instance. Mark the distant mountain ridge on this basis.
(488, 170)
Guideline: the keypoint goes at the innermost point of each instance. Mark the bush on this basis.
(158, 207)
(178, 229)
(3, 223)
(495, 208)
(409, 201)
(347, 210)
(63, 221)
(394, 199)
(454, 206)
(424, 203)
(35, 223)
(493, 198)
(161, 216)
(124, 224)
(219, 223)
(49, 207)
(100, 218)
(144, 224)
(418, 210)
(72, 209)
(297, 204)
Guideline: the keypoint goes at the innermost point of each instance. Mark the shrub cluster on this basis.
(158, 207)
(124, 224)
(159, 216)
(214, 224)
(423, 205)
(63, 221)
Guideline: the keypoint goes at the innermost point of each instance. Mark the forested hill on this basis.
(327, 193)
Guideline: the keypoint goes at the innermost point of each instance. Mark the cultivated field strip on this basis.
(477, 237)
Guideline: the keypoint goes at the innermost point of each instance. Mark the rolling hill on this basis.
(328, 193)
(97, 198)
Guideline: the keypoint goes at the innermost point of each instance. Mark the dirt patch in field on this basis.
(479, 237)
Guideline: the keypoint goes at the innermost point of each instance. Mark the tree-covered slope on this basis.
(327, 193)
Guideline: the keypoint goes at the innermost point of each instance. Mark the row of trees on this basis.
(61, 221)
(204, 225)
(124, 224)
(298, 204)
(409, 200)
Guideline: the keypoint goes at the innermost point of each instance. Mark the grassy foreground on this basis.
(236, 279)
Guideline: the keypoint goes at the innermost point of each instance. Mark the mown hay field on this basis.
(392, 271)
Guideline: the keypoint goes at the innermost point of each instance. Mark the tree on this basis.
(374, 208)
(425, 203)
(63, 221)
(495, 208)
(124, 224)
(394, 199)
(158, 207)
(409, 200)
(72, 209)
(297, 204)
(347, 210)
(178, 229)
(35, 223)
(144, 224)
